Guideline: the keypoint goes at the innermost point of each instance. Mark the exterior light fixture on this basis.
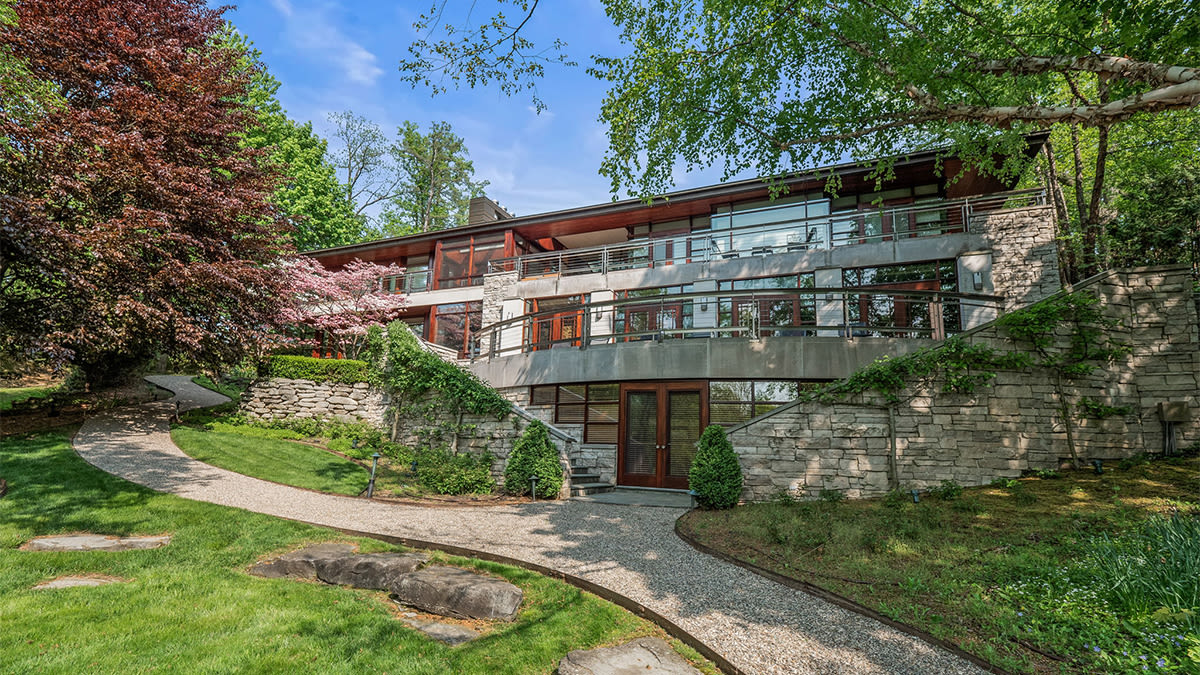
(916, 496)
(371, 483)
(413, 467)
(354, 443)
(1098, 466)
(533, 486)
(977, 280)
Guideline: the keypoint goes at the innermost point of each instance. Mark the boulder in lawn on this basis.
(301, 564)
(450, 591)
(376, 571)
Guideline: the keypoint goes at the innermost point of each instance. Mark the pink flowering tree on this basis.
(340, 304)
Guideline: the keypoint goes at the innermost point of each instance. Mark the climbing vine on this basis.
(403, 367)
(962, 365)
(1075, 320)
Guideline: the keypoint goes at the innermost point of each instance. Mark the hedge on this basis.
(346, 371)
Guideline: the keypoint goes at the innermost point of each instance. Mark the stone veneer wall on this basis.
(1024, 253)
(1003, 428)
(279, 398)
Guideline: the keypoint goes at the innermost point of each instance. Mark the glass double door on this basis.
(660, 425)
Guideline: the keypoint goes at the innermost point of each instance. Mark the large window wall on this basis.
(889, 307)
(455, 324)
(596, 406)
(463, 262)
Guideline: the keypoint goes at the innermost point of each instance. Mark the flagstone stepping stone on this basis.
(71, 582)
(644, 655)
(446, 633)
(450, 591)
(376, 571)
(94, 542)
(301, 564)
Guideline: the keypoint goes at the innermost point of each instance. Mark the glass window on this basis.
(456, 324)
(733, 402)
(595, 406)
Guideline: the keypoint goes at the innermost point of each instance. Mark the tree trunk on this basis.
(1062, 217)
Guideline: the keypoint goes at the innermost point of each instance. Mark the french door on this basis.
(660, 425)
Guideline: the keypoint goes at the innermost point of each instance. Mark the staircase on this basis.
(585, 481)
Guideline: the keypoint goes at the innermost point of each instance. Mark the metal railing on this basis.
(786, 235)
(826, 312)
(409, 282)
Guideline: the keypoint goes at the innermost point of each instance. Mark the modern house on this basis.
(634, 324)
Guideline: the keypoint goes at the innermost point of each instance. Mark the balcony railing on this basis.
(786, 235)
(826, 312)
(408, 282)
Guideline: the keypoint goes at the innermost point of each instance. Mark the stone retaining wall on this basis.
(280, 398)
(1003, 428)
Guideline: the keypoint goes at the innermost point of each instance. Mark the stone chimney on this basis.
(483, 210)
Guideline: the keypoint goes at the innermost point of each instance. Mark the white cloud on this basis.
(313, 31)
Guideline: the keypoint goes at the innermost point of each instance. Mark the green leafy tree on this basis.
(534, 455)
(420, 182)
(310, 196)
(436, 180)
(1158, 217)
(135, 220)
(778, 85)
(716, 474)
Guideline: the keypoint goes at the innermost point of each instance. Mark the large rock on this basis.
(450, 591)
(95, 542)
(644, 655)
(301, 564)
(370, 570)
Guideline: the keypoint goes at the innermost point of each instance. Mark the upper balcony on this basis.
(770, 230)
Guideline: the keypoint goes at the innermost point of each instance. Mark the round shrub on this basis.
(534, 454)
(716, 475)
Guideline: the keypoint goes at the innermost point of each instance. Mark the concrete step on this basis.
(585, 477)
(581, 489)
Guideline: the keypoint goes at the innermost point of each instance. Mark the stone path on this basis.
(758, 625)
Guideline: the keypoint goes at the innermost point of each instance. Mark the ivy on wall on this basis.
(403, 367)
(1068, 336)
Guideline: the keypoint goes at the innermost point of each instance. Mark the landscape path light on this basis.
(533, 486)
(371, 483)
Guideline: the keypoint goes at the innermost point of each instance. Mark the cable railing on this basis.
(786, 235)
(750, 314)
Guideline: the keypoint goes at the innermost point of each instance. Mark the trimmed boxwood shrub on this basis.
(716, 475)
(534, 453)
(345, 371)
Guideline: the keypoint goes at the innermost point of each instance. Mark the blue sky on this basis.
(333, 55)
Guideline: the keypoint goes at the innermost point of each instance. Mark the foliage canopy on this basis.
(135, 220)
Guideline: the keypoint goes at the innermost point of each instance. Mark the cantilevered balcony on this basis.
(869, 312)
(775, 230)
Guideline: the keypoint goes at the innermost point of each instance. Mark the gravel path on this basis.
(760, 626)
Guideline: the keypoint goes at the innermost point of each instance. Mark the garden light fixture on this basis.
(533, 486)
(371, 483)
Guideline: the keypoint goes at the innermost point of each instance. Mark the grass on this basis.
(10, 395)
(1010, 572)
(190, 606)
(272, 459)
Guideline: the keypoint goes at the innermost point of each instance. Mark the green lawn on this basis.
(191, 607)
(242, 450)
(9, 395)
(1012, 572)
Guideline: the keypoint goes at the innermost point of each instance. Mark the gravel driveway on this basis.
(758, 625)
